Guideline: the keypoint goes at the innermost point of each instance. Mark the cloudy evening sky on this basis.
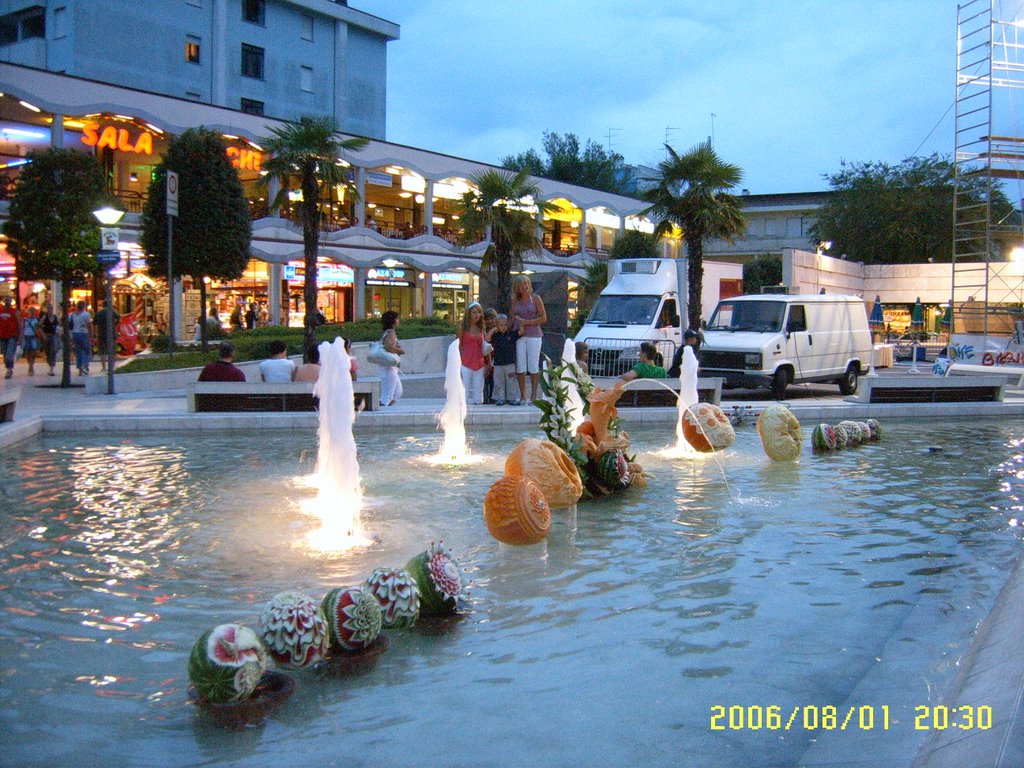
(795, 86)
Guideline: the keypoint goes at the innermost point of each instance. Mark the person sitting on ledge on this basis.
(277, 368)
(223, 368)
(649, 366)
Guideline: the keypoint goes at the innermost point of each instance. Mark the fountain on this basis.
(339, 495)
(452, 418)
(575, 410)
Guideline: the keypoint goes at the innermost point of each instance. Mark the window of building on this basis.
(254, 11)
(192, 49)
(252, 61)
(252, 107)
(23, 25)
(306, 79)
(307, 27)
(60, 23)
(33, 25)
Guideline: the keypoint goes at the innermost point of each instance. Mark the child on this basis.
(471, 349)
(503, 344)
(649, 366)
(490, 318)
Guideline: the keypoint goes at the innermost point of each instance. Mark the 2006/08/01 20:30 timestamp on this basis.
(866, 717)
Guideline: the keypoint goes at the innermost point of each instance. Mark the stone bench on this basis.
(221, 396)
(1014, 376)
(652, 392)
(8, 402)
(927, 388)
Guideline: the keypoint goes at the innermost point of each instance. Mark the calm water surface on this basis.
(857, 577)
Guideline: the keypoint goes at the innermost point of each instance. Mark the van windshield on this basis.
(761, 316)
(624, 310)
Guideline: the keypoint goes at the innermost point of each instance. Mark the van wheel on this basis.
(848, 381)
(779, 383)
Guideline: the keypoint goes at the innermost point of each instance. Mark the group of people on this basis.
(35, 333)
(276, 369)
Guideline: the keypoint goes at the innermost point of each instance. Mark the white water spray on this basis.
(687, 396)
(569, 382)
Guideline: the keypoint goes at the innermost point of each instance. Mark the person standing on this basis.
(101, 332)
(10, 330)
(50, 327)
(471, 351)
(503, 351)
(81, 325)
(490, 320)
(30, 337)
(390, 381)
(223, 368)
(277, 368)
(528, 318)
(691, 339)
(251, 316)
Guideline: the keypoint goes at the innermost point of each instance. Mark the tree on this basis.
(765, 270)
(903, 214)
(692, 193)
(51, 230)
(594, 168)
(634, 244)
(501, 208)
(307, 156)
(213, 228)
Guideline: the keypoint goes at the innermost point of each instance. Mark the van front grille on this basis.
(731, 361)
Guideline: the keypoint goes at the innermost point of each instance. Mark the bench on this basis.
(1014, 375)
(235, 396)
(652, 392)
(8, 402)
(927, 388)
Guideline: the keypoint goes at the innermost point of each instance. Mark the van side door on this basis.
(667, 324)
(799, 342)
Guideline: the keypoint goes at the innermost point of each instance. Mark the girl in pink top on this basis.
(471, 350)
(528, 319)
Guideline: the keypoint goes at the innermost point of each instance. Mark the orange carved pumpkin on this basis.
(549, 467)
(707, 428)
(516, 511)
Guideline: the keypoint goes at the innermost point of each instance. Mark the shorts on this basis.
(528, 354)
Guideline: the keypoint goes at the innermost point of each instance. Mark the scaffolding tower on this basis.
(989, 152)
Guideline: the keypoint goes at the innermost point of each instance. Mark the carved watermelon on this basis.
(226, 663)
(842, 436)
(875, 428)
(294, 630)
(353, 617)
(438, 580)
(613, 470)
(823, 438)
(398, 595)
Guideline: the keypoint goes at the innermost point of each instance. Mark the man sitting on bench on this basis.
(223, 369)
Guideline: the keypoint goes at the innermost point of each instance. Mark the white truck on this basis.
(640, 304)
(775, 340)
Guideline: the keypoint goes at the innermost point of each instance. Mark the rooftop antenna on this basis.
(712, 137)
(610, 137)
(668, 130)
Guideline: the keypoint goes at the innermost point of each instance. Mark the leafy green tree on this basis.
(634, 244)
(898, 214)
(307, 156)
(765, 270)
(51, 231)
(213, 228)
(592, 166)
(692, 193)
(501, 206)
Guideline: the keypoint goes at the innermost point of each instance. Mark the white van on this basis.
(640, 304)
(775, 340)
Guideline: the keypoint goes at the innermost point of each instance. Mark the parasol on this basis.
(947, 316)
(917, 315)
(877, 320)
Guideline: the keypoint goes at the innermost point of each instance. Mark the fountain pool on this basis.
(855, 578)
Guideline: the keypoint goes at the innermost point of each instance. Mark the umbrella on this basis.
(877, 320)
(917, 315)
(947, 316)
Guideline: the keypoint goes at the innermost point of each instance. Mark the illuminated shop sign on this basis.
(379, 179)
(117, 138)
(456, 280)
(245, 159)
(325, 273)
(387, 276)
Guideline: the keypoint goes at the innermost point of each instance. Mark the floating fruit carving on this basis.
(226, 663)
(438, 580)
(549, 467)
(516, 511)
(823, 438)
(353, 617)
(398, 595)
(294, 630)
(780, 433)
(613, 470)
(875, 428)
(707, 428)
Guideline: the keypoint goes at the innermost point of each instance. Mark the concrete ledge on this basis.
(9, 402)
(653, 392)
(233, 396)
(927, 388)
(1014, 376)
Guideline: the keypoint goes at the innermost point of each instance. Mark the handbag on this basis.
(487, 348)
(378, 355)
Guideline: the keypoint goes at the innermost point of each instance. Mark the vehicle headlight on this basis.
(752, 360)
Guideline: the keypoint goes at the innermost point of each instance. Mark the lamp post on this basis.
(108, 256)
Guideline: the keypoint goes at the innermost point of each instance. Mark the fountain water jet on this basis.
(339, 495)
(452, 418)
(575, 410)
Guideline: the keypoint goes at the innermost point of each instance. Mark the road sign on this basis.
(108, 258)
(172, 193)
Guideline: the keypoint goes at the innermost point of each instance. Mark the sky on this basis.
(786, 89)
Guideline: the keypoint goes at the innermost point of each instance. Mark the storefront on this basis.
(335, 285)
(391, 288)
(451, 291)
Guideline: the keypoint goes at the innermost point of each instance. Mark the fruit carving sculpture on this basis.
(549, 467)
(353, 617)
(226, 663)
(707, 428)
(398, 595)
(846, 433)
(294, 630)
(516, 511)
(438, 580)
(780, 433)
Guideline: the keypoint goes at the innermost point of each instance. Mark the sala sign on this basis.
(119, 138)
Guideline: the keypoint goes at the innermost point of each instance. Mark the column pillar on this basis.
(57, 132)
(276, 272)
(361, 191)
(179, 300)
(218, 46)
(583, 231)
(428, 294)
(428, 207)
(359, 293)
(273, 189)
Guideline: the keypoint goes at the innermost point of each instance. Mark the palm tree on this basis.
(501, 208)
(307, 156)
(692, 193)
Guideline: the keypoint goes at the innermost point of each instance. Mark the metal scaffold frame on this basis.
(989, 145)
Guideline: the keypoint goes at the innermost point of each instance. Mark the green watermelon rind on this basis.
(433, 602)
(216, 682)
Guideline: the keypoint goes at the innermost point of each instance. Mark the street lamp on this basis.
(108, 256)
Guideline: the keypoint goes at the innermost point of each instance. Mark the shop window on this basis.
(306, 79)
(192, 49)
(254, 11)
(307, 27)
(252, 61)
(252, 107)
